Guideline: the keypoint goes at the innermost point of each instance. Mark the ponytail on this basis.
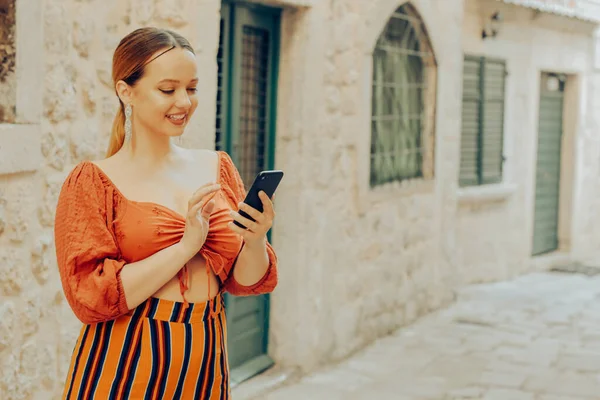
(117, 136)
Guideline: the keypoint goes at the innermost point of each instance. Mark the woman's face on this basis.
(164, 99)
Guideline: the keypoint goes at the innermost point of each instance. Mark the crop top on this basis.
(98, 230)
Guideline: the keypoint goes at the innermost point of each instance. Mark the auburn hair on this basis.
(129, 61)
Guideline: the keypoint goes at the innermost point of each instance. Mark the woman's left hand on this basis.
(256, 231)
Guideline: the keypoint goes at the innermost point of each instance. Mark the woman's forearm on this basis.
(252, 264)
(143, 278)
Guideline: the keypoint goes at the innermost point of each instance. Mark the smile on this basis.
(177, 119)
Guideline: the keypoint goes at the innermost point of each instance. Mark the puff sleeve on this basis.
(87, 253)
(234, 188)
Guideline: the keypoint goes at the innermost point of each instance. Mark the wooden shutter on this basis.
(482, 121)
(493, 121)
(469, 143)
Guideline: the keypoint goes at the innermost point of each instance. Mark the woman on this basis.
(146, 245)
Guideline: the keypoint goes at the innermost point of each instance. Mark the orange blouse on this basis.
(97, 231)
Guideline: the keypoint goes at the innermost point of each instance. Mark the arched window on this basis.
(403, 100)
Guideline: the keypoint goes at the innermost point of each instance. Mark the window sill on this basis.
(390, 192)
(486, 193)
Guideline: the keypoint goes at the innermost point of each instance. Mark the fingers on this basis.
(201, 192)
(240, 231)
(252, 212)
(204, 209)
(208, 208)
(248, 223)
(267, 205)
(262, 220)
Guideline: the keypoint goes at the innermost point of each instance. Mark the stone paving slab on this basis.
(533, 338)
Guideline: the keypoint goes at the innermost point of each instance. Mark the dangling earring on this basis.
(128, 112)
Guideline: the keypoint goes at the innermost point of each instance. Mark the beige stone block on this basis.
(143, 11)
(60, 100)
(55, 145)
(3, 218)
(43, 257)
(505, 394)
(89, 93)
(86, 142)
(84, 30)
(581, 362)
(173, 13)
(502, 379)
(50, 193)
(18, 379)
(567, 384)
(32, 308)
(104, 75)
(19, 148)
(21, 198)
(9, 318)
(12, 273)
(57, 31)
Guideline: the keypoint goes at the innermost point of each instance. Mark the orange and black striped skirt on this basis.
(160, 350)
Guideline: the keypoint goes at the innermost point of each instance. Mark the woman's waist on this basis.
(202, 284)
(178, 311)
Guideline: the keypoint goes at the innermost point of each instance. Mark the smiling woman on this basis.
(146, 245)
(160, 97)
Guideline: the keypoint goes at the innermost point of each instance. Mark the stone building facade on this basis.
(357, 259)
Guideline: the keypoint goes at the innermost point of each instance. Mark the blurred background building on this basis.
(427, 144)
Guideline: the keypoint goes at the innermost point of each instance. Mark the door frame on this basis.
(571, 107)
(239, 12)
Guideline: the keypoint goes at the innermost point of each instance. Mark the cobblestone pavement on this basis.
(533, 338)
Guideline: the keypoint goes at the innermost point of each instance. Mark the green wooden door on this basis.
(547, 187)
(247, 63)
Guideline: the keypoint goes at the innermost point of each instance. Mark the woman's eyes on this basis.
(171, 91)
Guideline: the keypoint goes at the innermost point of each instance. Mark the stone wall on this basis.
(495, 224)
(38, 329)
(356, 263)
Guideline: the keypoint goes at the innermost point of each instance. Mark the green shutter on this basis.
(247, 61)
(547, 187)
(469, 144)
(493, 121)
(482, 121)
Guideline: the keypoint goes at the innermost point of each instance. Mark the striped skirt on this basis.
(157, 351)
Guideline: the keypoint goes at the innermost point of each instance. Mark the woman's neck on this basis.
(149, 149)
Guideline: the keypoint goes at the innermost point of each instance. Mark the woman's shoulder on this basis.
(86, 175)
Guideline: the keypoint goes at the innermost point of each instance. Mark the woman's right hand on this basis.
(197, 219)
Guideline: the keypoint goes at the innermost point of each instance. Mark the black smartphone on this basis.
(266, 181)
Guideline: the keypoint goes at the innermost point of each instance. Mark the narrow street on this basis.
(533, 338)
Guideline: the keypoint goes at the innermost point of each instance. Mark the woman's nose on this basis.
(183, 100)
